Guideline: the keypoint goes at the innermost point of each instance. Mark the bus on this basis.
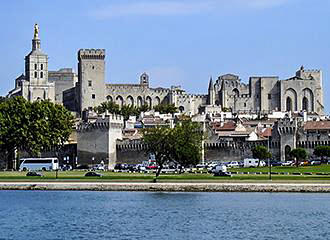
(43, 164)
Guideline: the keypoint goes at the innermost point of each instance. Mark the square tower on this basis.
(91, 70)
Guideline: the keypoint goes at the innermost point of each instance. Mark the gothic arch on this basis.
(292, 95)
(157, 100)
(120, 101)
(139, 101)
(287, 151)
(235, 92)
(288, 104)
(149, 101)
(109, 98)
(130, 101)
(181, 109)
(308, 100)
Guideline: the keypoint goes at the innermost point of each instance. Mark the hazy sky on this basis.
(178, 42)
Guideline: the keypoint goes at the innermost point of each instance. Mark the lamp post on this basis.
(269, 164)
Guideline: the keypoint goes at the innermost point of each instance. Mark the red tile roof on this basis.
(317, 125)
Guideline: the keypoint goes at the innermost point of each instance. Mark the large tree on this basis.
(261, 153)
(33, 127)
(322, 151)
(180, 145)
(126, 110)
(299, 154)
(166, 108)
(187, 143)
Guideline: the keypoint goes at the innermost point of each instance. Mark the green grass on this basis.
(78, 176)
(325, 168)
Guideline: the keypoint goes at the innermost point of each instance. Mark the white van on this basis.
(253, 162)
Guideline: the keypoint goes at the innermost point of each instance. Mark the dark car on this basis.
(93, 174)
(34, 174)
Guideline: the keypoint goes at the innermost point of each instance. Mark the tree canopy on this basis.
(33, 126)
(299, 154)
(166, 108)
(322, 151)
(261, 152)
(181, 144)
(126, 110)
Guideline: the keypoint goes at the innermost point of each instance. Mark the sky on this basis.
(177, 42)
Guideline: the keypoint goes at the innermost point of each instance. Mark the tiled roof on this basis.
(227, 126)
(317, 125)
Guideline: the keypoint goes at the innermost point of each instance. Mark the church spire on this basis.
(36, 40)
(211, 87)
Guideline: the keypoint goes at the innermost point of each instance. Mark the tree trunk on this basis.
(158, 172)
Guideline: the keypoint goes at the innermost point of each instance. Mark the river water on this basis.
(148, 215)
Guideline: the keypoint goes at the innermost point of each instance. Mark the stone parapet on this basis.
(170, 187)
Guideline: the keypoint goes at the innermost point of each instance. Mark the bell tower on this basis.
(37, 86)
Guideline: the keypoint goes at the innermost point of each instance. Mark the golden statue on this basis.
(36, 31)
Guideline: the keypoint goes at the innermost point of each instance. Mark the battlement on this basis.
(194, 96)
(91, 54)
(312, 70)
(106, 122)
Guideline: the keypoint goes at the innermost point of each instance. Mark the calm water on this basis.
(142, 215)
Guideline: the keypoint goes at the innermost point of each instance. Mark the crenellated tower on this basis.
(91, 83)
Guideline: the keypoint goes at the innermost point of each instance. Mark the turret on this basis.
(211, 93)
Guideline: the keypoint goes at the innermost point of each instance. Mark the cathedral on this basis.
(88, 88)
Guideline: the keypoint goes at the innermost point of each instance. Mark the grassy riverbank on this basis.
(309, 174)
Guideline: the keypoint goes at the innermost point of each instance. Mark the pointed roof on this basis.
(211, 86)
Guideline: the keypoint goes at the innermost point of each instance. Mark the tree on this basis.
(261, 153)
(299, 154)
(322, 151)
(159, 142)
(180, 145)
(166, 108)
(33, 127)
(187, 146)
(126, 110)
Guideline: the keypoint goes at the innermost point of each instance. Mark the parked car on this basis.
(233, 164)
(275, 164)
(316, 162)
(34, 174)
(66, 168)
(304, 163)
(287, 163)
(93, 174)
(99, 167)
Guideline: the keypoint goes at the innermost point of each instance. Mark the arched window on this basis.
(181, 109)
(41, 75)
(235, 92)
(130, 101)
(109, 98)
(157, 101)
(149, 101)
(35, 74)
(120, 101)
(288, 104)
(139, 101)
(305, 104)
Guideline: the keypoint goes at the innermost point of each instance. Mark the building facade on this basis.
(303, 92)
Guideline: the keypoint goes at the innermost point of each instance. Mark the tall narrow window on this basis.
(35, 66)
(93, 96)
(41, 66)
(35, 75)
(89, 83)
(269, 96)
(41, 75)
